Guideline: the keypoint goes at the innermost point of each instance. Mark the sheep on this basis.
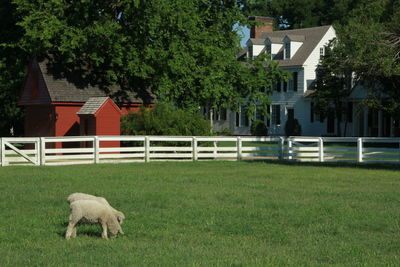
(92, 211)
(82, 196)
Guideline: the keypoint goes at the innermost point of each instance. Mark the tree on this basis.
(165, 119)
(333, 83)
(295, 14)
(184, 50)
(373, 60)
(12, 69)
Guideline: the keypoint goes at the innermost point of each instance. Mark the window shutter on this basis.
(295, 78)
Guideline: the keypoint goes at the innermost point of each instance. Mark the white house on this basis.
(298, 52)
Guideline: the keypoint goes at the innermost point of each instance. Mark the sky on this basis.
(244, 32)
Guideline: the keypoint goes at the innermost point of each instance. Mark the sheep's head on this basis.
(120, 217)
(114, 227)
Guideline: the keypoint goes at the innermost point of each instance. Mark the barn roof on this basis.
(92, 105)
(63, 86)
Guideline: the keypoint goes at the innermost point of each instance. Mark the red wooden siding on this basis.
(39, 121)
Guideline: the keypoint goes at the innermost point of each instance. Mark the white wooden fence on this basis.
(116, 149)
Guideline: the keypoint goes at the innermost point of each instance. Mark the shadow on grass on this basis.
(375, 166)
(81, 230)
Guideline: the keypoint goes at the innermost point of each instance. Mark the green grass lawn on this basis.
(205, 213)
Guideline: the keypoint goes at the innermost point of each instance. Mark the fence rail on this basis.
(116, 149)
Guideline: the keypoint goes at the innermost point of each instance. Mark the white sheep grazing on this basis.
(92, 211)
(82, 196)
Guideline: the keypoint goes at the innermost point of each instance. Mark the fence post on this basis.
(215, 149)
(321, 149)
(281, 145)
(239, 148)
(42, 151)
(194, 148)
(96, 149)
(359, 150)
(146, 149)
(290, 148)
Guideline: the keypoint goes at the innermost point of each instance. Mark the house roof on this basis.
(257, 41)
(92, 105)
(296, 38)
(275, 40)
(309, 36)
(73, 87)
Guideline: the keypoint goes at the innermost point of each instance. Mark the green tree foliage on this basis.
(367, 46)
(12, 69)
(165, 119)
(292, 128)
(258, 128)
(184, 50)
(334, 82)
(295, 14)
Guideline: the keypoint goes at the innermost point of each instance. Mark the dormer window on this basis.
(268, 49)
(287, 50)
(250, 52)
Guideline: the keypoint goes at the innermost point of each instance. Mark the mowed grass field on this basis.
(205, 213)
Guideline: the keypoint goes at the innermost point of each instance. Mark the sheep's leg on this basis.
(73, 235)
(104, 234)
(70, 230)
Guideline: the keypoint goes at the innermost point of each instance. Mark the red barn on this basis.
(64, 104)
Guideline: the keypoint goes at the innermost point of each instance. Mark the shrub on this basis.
(258, 128)
(164, 119)
(225, 132)
(292, 127)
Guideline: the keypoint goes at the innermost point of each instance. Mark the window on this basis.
(222, 114)
(268, 48)
(287, 50)
(295, 80)
(285, 86)
(276, 115)
(259, 114)
(321, 51)
(250, 51)
(278, 85)
(241, 118)
(269, 115)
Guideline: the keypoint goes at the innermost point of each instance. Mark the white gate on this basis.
(20, 151)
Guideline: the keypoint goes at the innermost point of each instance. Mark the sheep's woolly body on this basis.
(93, 212)
(82, 196)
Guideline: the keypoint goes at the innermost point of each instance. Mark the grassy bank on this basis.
(203, 213)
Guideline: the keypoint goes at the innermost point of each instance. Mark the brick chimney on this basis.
(266, 25)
